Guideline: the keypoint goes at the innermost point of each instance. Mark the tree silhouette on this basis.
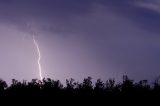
(99, 85)
(70, 84)
(87, 89)
(87, 84)
(3, 85)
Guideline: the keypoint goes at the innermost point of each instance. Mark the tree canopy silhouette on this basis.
(87, 89)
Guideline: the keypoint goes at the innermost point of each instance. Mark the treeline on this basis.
(72, 88)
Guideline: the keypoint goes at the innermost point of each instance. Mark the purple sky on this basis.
(80, 38)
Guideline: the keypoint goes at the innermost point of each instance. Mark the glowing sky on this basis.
(80, 38)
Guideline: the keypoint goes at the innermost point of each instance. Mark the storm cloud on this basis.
(80, 38)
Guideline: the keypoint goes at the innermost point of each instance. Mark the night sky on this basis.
(80, 38)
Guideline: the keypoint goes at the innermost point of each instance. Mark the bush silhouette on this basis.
(87, 89)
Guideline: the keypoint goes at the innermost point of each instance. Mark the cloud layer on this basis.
(85, 37)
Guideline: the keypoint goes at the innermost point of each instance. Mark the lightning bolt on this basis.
(39, 58)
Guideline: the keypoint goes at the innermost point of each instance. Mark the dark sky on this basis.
(80, 38)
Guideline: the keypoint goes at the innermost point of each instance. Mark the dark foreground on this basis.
(51, 91)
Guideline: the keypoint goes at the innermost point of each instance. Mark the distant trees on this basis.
(3, 85)
(70, 84)
(87, 84)
(72, 88)
(51, 84)
(99, 85)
